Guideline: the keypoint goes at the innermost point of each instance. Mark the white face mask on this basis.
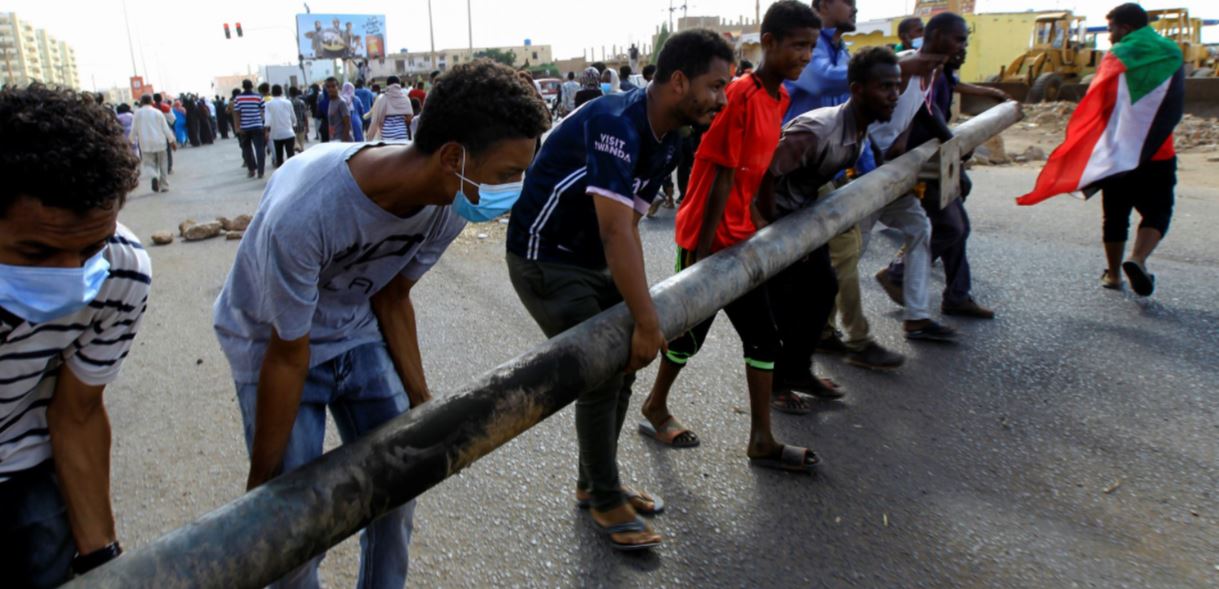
(917, 43)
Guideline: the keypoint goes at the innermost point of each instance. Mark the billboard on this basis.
(139, 88)
(340, 36)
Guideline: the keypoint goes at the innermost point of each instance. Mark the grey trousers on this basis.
(906, 215)
(158, 161)
(559, 297)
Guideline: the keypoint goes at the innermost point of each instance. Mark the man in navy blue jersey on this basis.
(574, 247)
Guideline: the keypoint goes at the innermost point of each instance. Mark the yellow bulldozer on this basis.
(1175, 24)
(1061, 53)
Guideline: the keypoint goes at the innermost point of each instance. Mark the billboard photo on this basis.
(340, 36)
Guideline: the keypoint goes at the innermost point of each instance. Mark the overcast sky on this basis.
(181, 47)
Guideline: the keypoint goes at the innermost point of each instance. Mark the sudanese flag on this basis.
(1125, 119)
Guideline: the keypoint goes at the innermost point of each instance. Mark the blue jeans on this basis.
(362, 389)
(36, 546)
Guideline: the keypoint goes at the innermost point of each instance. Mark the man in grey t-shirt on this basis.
(317, 310)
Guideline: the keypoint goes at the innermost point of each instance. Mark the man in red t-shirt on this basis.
(718, 212)
(417, 93)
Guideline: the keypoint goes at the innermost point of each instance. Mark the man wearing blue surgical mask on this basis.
(910, 31)
(73, 288)
(317, 309)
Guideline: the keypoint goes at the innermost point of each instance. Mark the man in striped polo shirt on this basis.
(248, 110)
(73, 287)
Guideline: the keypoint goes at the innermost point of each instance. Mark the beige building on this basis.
(34, 55)
(420, 62)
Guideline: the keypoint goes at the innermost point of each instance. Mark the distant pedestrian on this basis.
(127, 119)
(152, 135)
(193, 119)
(366, 98)
(221, 110)
(625, 85)
(281, 118)
(591, 87)
(249, 110)
(391, 114)
(181, 134)
(357, 111)
(301, 110)
(207, 123)
(338, 116)
(567, 94)
(418, 93)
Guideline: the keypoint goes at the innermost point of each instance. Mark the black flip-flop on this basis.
(1142, 282)
(791, 459)
(633, 526)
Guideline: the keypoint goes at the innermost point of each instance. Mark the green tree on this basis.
(659, 42)
(545, 70)
(507, 58)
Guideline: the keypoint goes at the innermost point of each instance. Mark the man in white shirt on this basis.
(151, 133)
(281, 117)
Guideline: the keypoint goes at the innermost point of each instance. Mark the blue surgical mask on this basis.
(39, 294)
(606, 88)
(917, 43)
(493, 199)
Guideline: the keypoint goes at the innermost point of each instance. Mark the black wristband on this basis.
(84, 563)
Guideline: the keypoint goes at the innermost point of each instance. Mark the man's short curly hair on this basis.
(478, 104)
(861, 69)
(63, 150)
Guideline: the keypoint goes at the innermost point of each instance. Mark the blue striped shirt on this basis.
(394, 128)
(249, 107)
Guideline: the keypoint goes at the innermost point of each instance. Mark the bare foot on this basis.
(640, 501)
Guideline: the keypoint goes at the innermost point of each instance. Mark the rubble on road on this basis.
(234, 235)
(238, 223)
(1051, 118)
(202, 231)
(162, 238)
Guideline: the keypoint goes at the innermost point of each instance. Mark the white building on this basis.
(314, 72)
(33, 55)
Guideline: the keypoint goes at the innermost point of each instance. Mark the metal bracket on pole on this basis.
(944, 169)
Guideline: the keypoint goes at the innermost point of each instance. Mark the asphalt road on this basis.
(1069, 442)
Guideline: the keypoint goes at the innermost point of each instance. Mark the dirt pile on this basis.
(1050, 119)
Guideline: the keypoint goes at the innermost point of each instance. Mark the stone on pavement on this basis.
(162, 238)
(202, 231)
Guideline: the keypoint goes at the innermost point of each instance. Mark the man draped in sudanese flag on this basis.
(1119, 141)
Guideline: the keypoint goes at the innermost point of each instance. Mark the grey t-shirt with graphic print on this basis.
(316, 252)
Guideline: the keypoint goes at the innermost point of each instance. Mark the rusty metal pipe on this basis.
(267, 532)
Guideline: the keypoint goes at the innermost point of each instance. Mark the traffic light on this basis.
(227, 34)
(239, 29)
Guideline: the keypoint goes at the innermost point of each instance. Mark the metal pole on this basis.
(470, 25)
(431, 33)
(271, 530)
(130, 45)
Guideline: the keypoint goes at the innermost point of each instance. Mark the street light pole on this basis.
(130, 45)
(431, 33)
(470, 24)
